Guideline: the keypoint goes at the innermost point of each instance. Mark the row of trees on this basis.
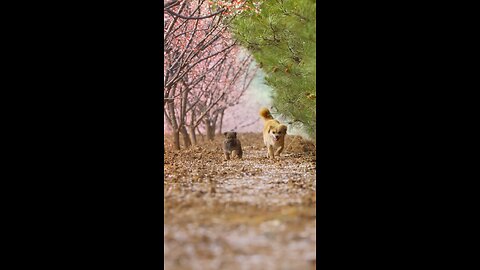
(205, 71)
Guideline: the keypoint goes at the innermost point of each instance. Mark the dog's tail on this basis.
(265, 114)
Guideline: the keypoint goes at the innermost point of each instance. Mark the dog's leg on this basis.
(240, 153)
(270, 152)
(227, 156)
(279, 150)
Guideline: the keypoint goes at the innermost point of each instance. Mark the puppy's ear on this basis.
(283, 128)
(225, 134)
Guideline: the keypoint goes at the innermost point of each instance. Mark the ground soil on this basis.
(252, 213)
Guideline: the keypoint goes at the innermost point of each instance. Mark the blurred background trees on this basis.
(282, 38)
(206, 71)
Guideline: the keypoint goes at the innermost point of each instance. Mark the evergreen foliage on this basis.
(282, 38)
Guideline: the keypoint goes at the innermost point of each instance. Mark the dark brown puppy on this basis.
(232, 145)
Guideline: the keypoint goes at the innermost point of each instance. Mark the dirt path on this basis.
(252, 213)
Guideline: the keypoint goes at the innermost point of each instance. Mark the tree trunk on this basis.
(210, 127)
(186, 138)
(221, 123)
(193, 136)
(191, 127)
(201, 135)
(173, 124)
(176, 139)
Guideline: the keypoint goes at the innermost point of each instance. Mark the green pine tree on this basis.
(282, 39)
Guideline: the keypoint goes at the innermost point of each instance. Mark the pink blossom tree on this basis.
(225, 88)
(201, 67)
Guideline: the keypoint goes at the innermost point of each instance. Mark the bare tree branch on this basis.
(170, 4)
(193, 18)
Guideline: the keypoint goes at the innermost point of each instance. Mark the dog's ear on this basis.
(234, 134)
(225, 134)
(283, 128)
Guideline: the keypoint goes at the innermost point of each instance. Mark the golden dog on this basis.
(273, 134)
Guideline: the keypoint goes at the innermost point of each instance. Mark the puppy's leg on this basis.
(227, 155)
(239, 152)
(270, 152)
(279, 150)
